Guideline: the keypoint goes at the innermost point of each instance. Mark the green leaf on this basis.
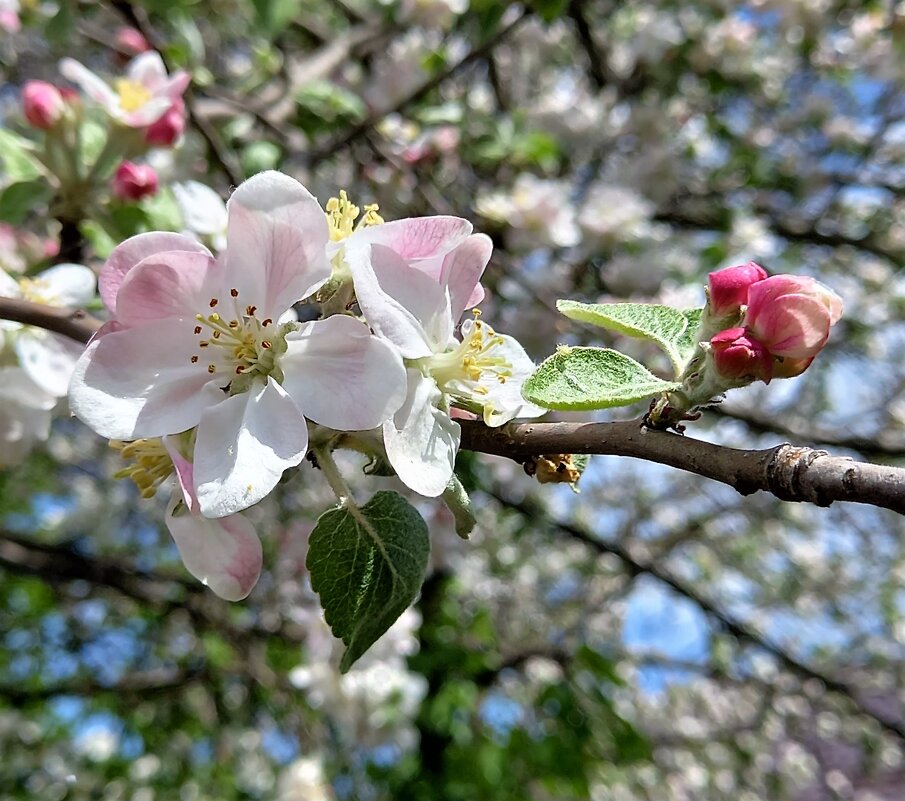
(19, 160)
(579, 379)
(687, 343)
(367, 566)
(666, 326)
(18, 199)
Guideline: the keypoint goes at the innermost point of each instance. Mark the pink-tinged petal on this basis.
(422, 440)
(462, 271)
(147, 113)
(89, 83)
(125, 256)
(147, 69)
(139, 382)
(48, 359)
(789, 368)
(277, 236)
(740, 357)
(223, 554)
(399, 303)
(176, 85)
(70, 284)
(185, 472)
(342, 376)
(243, 445)
(729, 287)
(177, 284)
(416, 237)
(793, 326)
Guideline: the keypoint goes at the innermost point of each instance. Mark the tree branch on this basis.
(790, 473)
(73, 323)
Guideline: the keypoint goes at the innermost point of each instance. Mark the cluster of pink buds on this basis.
(775, 325)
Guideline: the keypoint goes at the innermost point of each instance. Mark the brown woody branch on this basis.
(789, 472)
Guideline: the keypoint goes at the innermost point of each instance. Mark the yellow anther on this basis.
(132, 95)
(151, 463)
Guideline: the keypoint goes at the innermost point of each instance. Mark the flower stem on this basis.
(334, 478)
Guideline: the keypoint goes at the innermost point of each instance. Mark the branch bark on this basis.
(789, 472)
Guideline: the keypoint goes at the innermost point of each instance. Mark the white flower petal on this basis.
(139, 382)
(276, 243)
(224, 554)
(203, 210)
(422, 440)
(48, 359)
(69, 284)
(90, 84)
(147, 69)
(342, 376)
(243, 445)
(400, 303)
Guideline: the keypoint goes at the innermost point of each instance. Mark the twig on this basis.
(790, 473)
(73, 323)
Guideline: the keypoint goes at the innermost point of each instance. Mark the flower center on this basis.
(37, 290)
(240, 348)
(132, 95)
(150, 464)
(472, 361)
(342, 214)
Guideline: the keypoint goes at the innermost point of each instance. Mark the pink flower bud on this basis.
(134, 181)
(129, 42)
(792, 315)
(167, 130)
(729, 287)
(42, 104)
(737, 355)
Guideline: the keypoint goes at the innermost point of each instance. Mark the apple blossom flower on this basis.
(140, 98)
(24, 415)
(728, 288)
(42, 104)
(538, 212)
(134, 181)
(203, 212)
(739, 356)
(792, 316)
(418, 314)
(48, 358)
(196, 342)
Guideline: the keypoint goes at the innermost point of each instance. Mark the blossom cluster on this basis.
(204, 373)
(772, 326)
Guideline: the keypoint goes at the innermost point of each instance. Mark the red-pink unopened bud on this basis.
(729, 287)
(130, 42)
(42, 104)
(134, 181)
(737, 355)
(792, 315)
(167, 130)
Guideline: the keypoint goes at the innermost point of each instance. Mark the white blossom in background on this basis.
(203, 213)
(48, 358)
(537, 212)
(612, 214)
(25, 412)
(377, 700)
(304, 779)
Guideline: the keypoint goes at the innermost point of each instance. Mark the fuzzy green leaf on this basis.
(367, 566)
(17, 154)
(670, 328)
(580, 379)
